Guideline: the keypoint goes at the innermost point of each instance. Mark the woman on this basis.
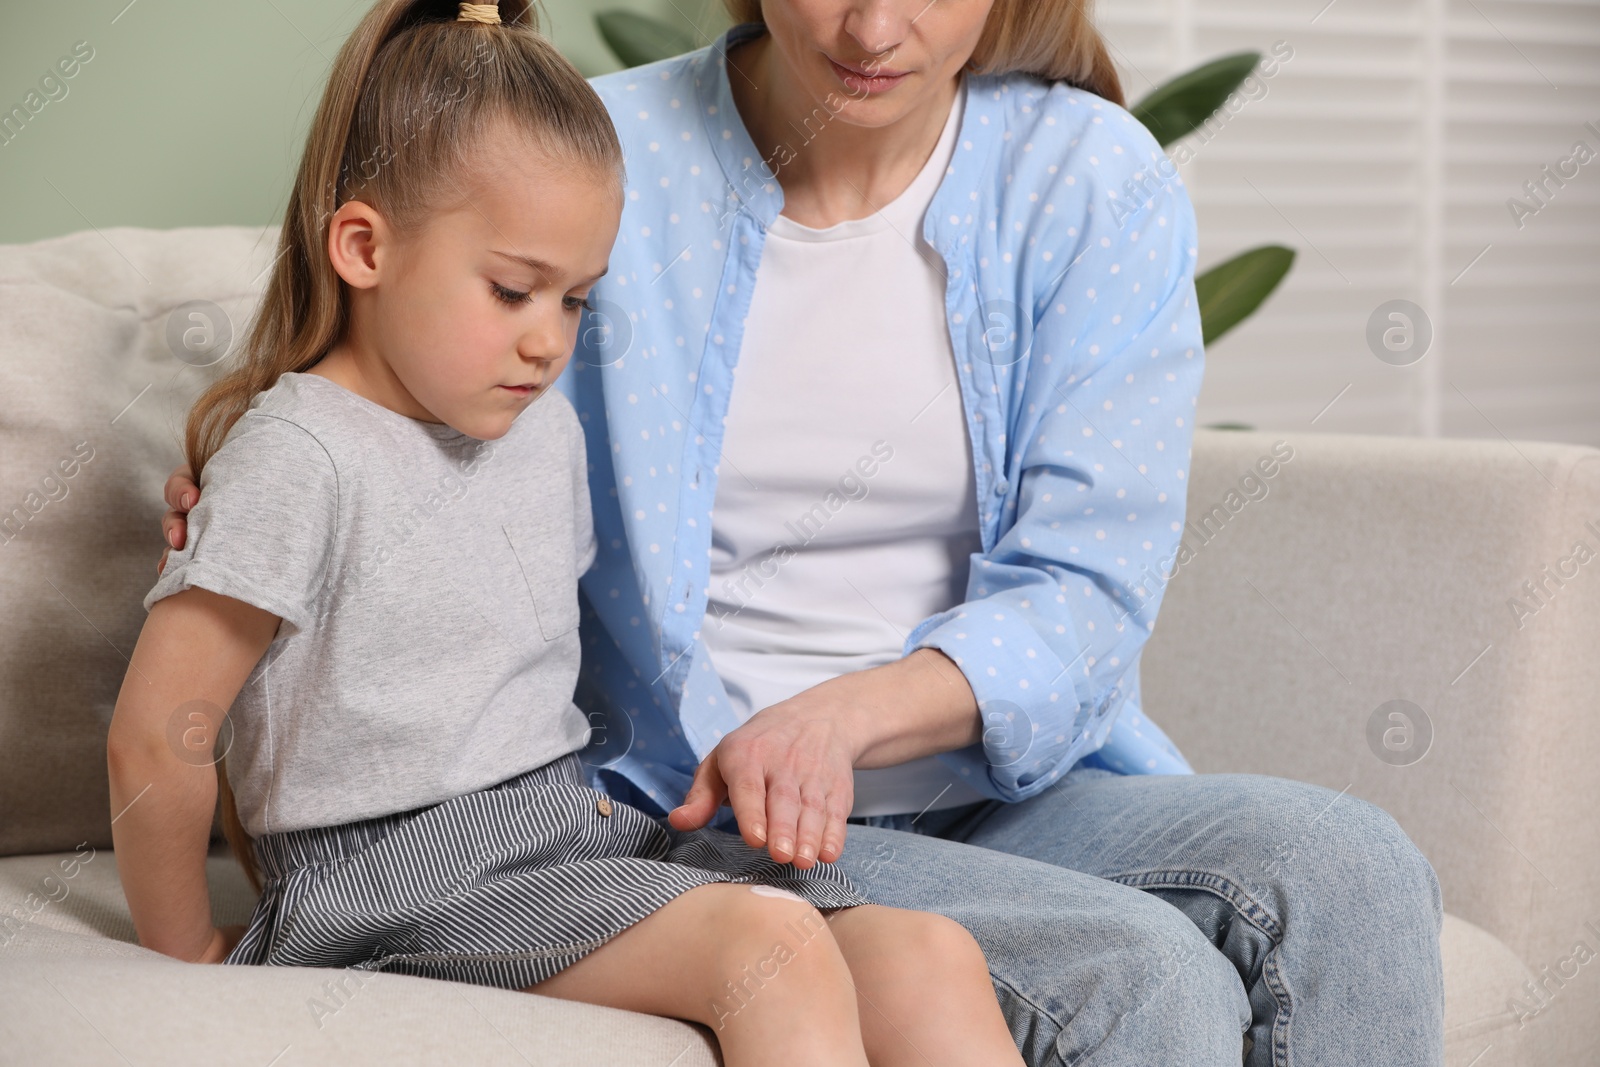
(892, 583)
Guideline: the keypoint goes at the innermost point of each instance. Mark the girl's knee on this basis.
(944, 939)
(912, 942)
(769, 925)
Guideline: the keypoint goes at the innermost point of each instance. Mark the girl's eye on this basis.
(509, 296)
(575, 302)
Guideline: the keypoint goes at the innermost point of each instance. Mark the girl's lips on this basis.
(519, 390)
(860, 82)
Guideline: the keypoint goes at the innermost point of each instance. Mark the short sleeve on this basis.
(263, 529)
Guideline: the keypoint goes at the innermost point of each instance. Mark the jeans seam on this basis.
(1060, 1027)
(1036, 1006)
(1248, 907)
(1271, 975)
(1252, 912)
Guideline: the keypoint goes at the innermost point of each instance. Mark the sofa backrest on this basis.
(100, 358)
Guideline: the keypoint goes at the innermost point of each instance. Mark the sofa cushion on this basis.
(99, 362)
(67, 957)
(64, 922)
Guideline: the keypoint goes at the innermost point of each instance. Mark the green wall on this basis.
(194, 114)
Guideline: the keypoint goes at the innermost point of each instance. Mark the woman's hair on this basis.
(1053, 39)
(411, 96)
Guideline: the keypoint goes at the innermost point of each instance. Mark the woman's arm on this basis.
(193, 655)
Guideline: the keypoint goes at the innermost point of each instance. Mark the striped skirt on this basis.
(502, 887)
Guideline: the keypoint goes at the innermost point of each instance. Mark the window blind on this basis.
(1390, 146)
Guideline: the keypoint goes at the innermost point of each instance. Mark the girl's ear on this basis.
(359, 240)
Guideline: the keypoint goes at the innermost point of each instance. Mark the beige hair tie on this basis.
(485, 13)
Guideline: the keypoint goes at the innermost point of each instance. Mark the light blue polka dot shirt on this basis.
(1069, 245)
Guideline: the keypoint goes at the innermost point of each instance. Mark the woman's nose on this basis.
(880, 25)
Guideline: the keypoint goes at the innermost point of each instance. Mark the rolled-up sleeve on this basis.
(1058, 610)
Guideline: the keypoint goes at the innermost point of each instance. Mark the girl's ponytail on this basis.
(411, 93)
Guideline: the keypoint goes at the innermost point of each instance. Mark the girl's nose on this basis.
(545, 340)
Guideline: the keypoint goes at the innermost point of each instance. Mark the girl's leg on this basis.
(922, 990)
(761, 970)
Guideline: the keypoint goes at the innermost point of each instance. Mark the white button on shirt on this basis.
(846, 507)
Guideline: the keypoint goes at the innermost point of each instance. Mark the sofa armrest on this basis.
(1460, 575)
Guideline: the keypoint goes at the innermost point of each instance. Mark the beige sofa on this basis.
(1365, 570)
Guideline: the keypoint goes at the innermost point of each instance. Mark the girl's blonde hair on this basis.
(1053, 39)
(410, 97)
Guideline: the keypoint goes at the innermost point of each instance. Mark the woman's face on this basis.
(915, 47)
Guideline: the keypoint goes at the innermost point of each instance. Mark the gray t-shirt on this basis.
(428, 587)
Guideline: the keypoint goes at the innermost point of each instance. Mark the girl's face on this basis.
(470, 321)
(915, 46)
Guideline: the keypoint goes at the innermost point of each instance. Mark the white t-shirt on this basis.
(846, 508)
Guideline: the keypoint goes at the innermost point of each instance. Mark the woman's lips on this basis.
(859, 82)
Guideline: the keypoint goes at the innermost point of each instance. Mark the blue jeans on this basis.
(1168, 921)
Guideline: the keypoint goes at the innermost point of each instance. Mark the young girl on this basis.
(379, 595)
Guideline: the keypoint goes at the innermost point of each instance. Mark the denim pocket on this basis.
(545, 556)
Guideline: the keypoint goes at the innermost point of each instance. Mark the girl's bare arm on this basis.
(193, 655)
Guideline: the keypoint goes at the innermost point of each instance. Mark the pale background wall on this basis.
(190, 113)
(1384, 151)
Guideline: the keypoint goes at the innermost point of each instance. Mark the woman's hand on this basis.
(223, 941)
(181, 494)
(789, 771)
(788, 774)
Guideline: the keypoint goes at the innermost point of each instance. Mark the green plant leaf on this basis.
(638, 39)
(1178, 107)
(1230, 291)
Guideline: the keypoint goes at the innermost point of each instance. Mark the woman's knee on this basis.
(1382, 862)
(1344, 853)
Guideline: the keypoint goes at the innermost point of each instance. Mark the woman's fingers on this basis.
(747, 796)
(174, 529)
(181, 492)
(833, 838)
(806, 825)
(813, 823)
(704, 797)
(782, 816)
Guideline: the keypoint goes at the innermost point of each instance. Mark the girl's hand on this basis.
(223, 940)
(788, 774)
(181, 494)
